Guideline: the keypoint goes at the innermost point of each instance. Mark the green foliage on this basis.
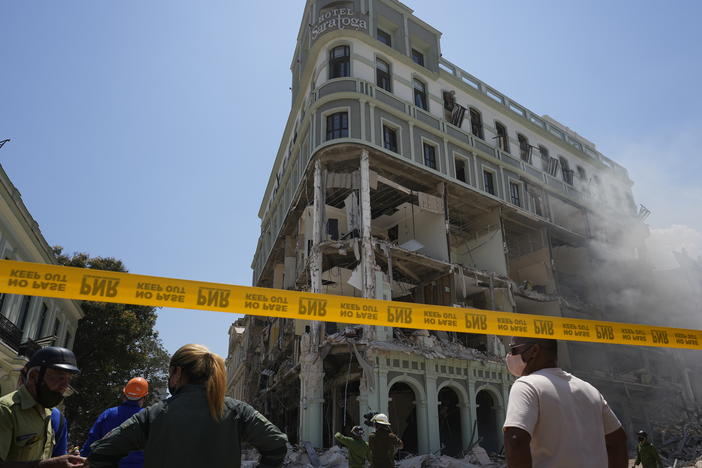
(113, 343)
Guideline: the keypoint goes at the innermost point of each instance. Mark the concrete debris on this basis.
(444, 461)
(337, 457)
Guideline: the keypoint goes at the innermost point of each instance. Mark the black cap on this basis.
(55, 358)
(642, 434)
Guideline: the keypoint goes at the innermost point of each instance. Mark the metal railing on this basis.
(9, 333)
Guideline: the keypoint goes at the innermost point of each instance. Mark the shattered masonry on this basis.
(373, 196)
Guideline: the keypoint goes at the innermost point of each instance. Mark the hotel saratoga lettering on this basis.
(337, 18)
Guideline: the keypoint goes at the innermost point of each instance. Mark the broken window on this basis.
(514, 194)
(476, 123)
(552, 167)
(536, 203)
(545, 158)
(524, 148)
(384, 37)
(429, 155)
(390, 138)
(489, 182)
(338, 125)
(420, 94)
(340, 62)
(566, 170)
(417, 57)
(502, 138)
(581, 173)
(382, 75)
(333, 228)
(460, 169)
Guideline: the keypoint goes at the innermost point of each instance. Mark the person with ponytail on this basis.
(197, 426)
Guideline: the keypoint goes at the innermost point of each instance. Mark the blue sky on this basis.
(146, 130)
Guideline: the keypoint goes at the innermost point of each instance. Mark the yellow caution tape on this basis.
(38, 279)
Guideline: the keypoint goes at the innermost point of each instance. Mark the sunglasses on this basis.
(513, 349)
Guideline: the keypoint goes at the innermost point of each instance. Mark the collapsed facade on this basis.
(402, 177)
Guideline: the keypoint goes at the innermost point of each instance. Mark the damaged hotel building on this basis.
(400, 176)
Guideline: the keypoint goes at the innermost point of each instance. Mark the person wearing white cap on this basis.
(383, 443)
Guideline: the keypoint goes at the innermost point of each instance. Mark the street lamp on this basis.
(3, 142)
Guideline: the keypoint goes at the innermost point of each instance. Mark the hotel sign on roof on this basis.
(338, 18)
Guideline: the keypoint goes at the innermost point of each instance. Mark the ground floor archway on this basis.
(450, 433)
(486, 413)
(402, 407)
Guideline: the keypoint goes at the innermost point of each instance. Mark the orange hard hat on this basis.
(136, 388)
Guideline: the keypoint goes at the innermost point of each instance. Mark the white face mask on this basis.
(515, 364)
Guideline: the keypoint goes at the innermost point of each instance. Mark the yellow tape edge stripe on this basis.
(62, 282)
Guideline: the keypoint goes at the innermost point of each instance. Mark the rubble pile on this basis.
(337, 457)
(682, 443)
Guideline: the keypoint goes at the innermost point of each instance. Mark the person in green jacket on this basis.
(358, 448)
(197, 426)
(646, 453)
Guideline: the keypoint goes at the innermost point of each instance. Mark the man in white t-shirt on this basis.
(554, 419)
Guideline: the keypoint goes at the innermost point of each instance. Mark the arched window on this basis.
(340, 61)
(502, 138)
(524, 148)
(382, 75)
(420, 94)
(476, 123)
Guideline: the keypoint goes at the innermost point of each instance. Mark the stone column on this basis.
(311, 369)
(433, 438)
(423, 428)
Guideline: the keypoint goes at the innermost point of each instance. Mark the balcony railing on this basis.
(10, 334)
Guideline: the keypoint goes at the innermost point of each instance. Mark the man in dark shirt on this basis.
(383, 443)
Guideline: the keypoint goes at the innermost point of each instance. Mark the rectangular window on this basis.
(501, 137)
(42, 320)
(389, 138)
(337, 125)
(489, 182)
(382, 75)
(24, 312)
(429, 155)
(420, 94)
(67, 341)
(460, 169)
(384, 37)
(339, 62)
(514, 194)
(57, 327)
(417, 57)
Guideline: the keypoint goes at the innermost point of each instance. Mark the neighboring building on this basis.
(27, 322)
(401, 176)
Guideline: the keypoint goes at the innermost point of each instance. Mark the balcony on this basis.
(10, 334)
